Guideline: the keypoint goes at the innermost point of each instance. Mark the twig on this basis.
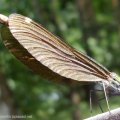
(112, 115)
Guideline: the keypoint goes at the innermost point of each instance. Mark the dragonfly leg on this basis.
(91, 91)
(106, 97)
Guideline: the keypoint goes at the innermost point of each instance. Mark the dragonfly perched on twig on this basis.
(47, 55)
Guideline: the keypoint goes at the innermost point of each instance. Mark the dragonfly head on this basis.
(114, 85)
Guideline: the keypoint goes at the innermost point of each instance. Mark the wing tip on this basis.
(3, 19)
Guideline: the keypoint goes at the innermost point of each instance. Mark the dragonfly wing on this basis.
(49, 51)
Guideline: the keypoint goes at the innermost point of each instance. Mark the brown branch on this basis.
(112, 115)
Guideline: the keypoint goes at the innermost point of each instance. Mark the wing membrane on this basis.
(52, 53)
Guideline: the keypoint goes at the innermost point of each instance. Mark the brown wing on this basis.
(50, 52)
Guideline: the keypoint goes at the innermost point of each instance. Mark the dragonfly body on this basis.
(46, 54)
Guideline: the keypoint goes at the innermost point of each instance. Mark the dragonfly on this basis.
(50, 57)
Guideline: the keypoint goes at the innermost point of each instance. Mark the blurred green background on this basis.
(90, 26)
